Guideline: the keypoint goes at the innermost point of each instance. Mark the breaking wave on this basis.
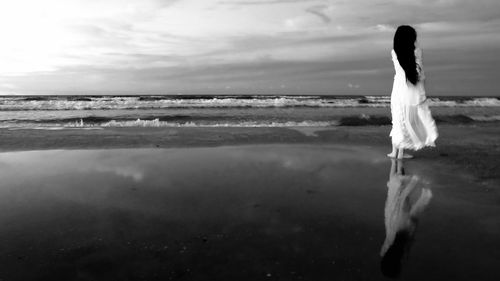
(106, 122)
(22, 103)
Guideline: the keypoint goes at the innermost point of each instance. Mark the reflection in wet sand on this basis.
(262, 212)
(405, 202)
(224, 213)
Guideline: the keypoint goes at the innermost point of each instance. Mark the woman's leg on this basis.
(394, 152)
(401, 153)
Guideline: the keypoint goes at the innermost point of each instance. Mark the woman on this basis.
(412, 123)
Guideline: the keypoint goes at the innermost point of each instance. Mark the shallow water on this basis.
(273, 212)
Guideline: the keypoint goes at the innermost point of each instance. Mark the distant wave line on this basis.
(171, 102)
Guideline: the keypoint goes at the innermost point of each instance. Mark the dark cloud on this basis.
(317, 11)
(263, 2)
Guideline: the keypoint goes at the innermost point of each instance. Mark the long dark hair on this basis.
(404, 46)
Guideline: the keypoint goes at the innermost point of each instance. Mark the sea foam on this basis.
(165, 102)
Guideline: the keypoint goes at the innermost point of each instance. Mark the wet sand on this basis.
(311, 211)
(474, 148)
(245, 204)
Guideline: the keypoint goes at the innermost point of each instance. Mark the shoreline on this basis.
(473, 148)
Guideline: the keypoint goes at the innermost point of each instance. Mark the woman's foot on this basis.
(404, 156)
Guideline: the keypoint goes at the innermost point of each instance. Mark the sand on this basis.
(475, 148)
(241, 204)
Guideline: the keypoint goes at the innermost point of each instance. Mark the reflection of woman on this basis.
(403, 205)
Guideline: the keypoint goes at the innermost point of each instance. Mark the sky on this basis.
(336, 47)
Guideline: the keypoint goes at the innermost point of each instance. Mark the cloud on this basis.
(385, 28)
(317, 11)
(165, 46)
(8, 86)
(263, 2)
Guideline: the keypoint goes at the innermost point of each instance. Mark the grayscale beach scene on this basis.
(249, 140)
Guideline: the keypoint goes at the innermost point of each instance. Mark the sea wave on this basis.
(157, 123)
(165, 102)
(354, 120)
(146, 102)
(485, 118)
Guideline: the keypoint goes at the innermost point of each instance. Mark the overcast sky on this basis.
(242, 46)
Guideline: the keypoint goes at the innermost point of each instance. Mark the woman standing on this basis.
(412, 124)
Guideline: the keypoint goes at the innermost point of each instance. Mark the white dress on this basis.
(412, 124)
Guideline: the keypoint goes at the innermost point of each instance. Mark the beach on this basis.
(244, 188)
(249, 140)
(474, 148)
(187, 203)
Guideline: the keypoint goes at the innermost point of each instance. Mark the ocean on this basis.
(59, 112)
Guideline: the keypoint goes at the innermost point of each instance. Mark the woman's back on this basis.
(404, 91)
